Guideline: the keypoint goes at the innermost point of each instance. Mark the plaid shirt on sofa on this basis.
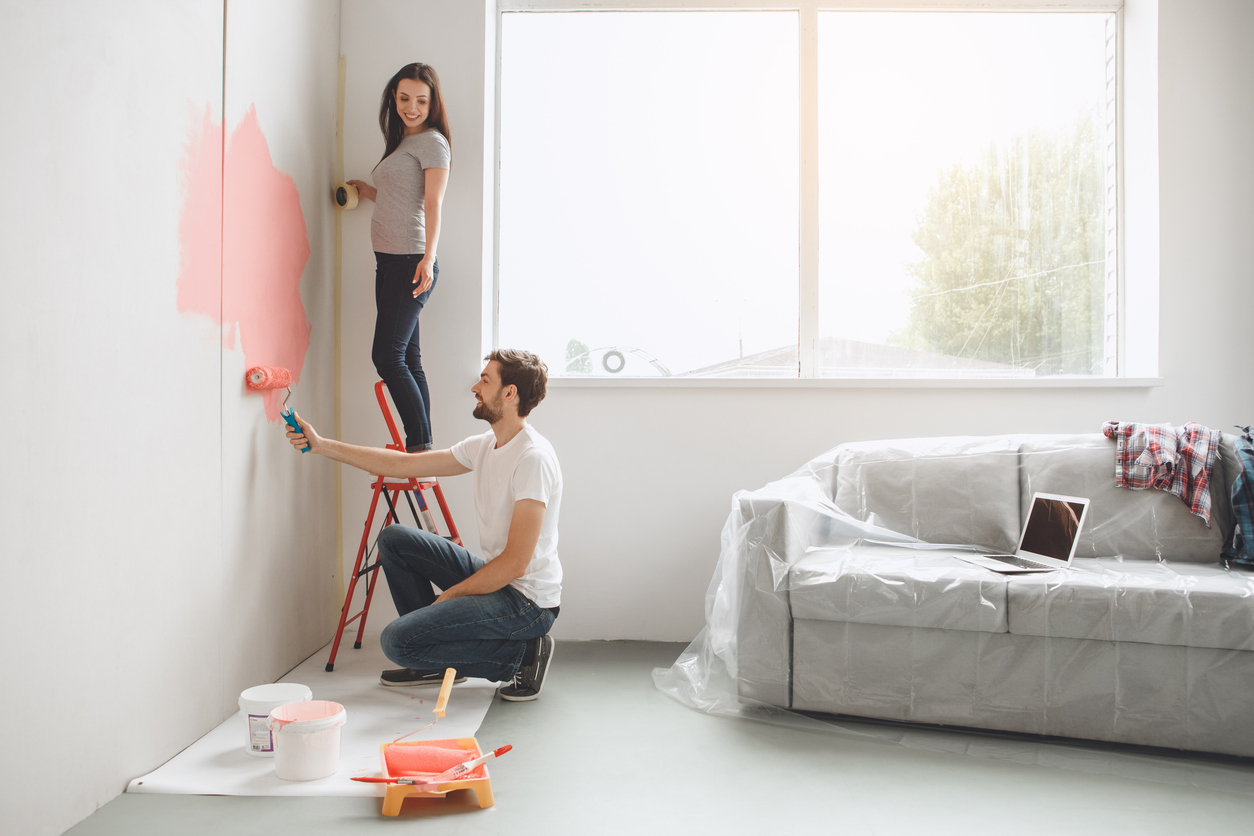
(1179, 460)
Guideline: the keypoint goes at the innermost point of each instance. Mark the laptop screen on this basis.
(1052, 527)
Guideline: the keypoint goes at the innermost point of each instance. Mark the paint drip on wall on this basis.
(243, 247)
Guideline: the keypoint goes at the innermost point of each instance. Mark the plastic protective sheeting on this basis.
(838, 591)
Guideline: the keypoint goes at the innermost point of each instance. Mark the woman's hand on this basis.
(423, 276)
(308, 437)
(364, 189)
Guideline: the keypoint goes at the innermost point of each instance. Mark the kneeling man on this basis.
(492, 620)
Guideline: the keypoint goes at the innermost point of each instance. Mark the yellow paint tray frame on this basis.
(396, 794)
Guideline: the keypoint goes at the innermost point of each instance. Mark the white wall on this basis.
(279, 507)
(144, 503)
(650, 472)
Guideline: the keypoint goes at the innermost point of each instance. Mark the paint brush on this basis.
(462, 768)
(444, 777)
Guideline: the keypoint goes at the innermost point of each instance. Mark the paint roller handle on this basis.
(446, 687)
(289, 415)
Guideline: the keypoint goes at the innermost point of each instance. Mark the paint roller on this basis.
(441, 702)
(345, 196)
(275, 377)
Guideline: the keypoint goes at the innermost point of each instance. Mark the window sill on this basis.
(854, 383)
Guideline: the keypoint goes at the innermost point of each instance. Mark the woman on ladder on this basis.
(404, 231)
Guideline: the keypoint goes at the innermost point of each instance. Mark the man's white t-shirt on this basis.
(525, 468)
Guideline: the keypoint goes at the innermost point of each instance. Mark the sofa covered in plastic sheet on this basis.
(838, 592)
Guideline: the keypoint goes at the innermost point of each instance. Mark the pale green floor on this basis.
(658, 767)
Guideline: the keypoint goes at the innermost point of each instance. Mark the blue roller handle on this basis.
(289, 415)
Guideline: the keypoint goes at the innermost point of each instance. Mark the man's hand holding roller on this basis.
(308, 437)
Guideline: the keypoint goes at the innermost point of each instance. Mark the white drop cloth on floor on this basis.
(218, 765)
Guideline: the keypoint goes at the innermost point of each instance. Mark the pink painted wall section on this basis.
(244, 247)
(264, 250)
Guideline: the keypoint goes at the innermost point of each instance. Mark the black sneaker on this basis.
(529, 680)
(409, 676)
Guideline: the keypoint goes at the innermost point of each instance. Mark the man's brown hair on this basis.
(526, 372)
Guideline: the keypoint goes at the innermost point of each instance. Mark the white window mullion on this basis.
(1111, 330)
(808, 193)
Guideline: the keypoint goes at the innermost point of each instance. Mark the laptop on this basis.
(1049, 538)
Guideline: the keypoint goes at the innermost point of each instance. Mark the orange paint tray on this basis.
(477, 780)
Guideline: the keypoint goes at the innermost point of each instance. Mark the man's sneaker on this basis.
(529, 680)
(409, 676)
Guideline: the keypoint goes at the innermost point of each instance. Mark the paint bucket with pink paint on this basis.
(255, 705)
(307, 739)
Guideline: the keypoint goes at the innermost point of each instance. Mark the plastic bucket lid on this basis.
(307, 717)
(262, 699)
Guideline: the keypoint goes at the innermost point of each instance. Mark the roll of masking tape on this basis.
(345, 196)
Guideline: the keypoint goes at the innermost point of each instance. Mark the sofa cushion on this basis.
(1137, 601)
(896, 586)
(961, 491)
(1139, 525)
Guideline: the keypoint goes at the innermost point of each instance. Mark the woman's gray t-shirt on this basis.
(399, 223)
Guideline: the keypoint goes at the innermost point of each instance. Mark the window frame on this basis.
(808, 189)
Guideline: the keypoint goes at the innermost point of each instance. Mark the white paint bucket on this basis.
(307, 739)
(255, 705)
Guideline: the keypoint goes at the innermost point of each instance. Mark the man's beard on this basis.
(486, 413)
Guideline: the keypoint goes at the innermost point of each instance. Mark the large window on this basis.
(856, 194)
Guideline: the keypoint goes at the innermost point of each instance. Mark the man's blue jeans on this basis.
(480, 635)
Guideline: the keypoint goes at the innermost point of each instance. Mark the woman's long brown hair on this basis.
(390, 121)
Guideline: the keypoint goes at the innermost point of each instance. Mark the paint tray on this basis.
(477, 779)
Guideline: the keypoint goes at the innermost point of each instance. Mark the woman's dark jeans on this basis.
(395, 351)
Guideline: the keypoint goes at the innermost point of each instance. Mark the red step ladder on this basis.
(391, 490)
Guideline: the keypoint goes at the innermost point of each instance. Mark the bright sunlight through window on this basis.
(650, 208)
(963, 175)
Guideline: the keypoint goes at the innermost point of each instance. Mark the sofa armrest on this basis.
(764, 628)
(772, 540)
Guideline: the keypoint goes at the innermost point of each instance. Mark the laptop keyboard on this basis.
(1015, 560)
